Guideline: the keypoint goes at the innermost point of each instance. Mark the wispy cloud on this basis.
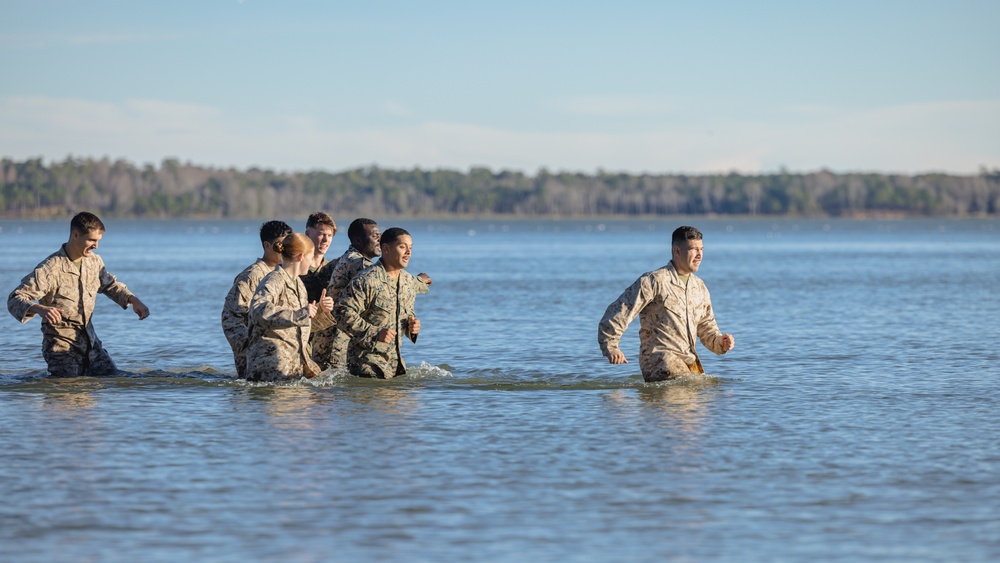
(46, 40)
(396, 109)
(948, 136)
(613, 106)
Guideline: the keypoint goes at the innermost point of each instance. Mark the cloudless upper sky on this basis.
(655, 86)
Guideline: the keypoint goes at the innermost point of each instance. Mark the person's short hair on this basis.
(84, 222)
(274, 230)
(356, 231)
(321, 218)
(294, 245)
(392, 234)
(683, 234)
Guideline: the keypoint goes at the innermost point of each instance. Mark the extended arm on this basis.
(617, 317)
(22, 301)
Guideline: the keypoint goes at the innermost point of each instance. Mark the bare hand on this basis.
(52, 315)
(139, 307)
(414, 325)
(311, 309)
(325, 303)
(424, 278)
(386, 335)
(728, 342)
(617, 357)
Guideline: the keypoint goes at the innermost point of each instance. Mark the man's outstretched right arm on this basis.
(617, 317)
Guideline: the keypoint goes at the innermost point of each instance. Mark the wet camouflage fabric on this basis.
(279, 330)
(236, 311)
(70, 348)
(316, 281)
(670, 316)
(373, 301)
(330, 344)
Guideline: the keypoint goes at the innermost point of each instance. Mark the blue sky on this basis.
(675, 87)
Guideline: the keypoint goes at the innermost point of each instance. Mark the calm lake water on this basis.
(856, 419)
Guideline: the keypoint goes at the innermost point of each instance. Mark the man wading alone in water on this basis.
(61, 290)
(674, 307)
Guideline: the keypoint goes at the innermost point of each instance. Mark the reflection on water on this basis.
(512, 437)
(387, 400)
(681, 406)
(72, 397)
(686, 401)
(290, 407)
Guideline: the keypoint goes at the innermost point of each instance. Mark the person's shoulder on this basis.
(350, 261)
(53, 264)
(58, 257)
(370, 276)
(697, 281)
(373, 272)
(245, 273)
(273, 277)
(328, 267)
(406, 277)
(658, 275)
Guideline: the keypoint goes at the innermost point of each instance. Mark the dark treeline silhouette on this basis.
(120, 189)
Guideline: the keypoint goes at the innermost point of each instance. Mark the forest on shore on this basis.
(33, 189)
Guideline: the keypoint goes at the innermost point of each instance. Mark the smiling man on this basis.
(320, 228)
(674, 307)
(330, 344)
(376, 310)
(62, 290)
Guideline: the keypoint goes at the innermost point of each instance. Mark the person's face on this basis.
(85, 243)
(397, 254)
(321, 235)
(370, 248)
(687, 256)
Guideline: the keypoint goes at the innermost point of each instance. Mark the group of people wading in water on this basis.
(294, 314)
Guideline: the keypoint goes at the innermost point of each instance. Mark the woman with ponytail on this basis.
(281, 315)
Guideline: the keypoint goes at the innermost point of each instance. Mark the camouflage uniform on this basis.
(318, 278)
(236, 311)
(671, 316)
(70, 348)
(330, 344)
(373, 301)
(316, 281)
(279, 330)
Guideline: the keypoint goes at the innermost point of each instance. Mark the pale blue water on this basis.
(855, 420)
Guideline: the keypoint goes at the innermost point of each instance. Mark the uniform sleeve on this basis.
(420, 286)
(34, 287)
(348, 310)
(342, 275)
(619, 314)
(236, 313)
(110, 286)
(322, 320)
(266, 313)
(408, 304)
(708, 329)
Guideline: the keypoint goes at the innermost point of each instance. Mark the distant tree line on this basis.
(119, 189)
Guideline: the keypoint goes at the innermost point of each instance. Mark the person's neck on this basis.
(392, 272)
(270, 263)
(292, 267)
(317, 260)
(680, 271)
(72, 253)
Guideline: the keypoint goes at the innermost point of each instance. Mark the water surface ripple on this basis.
(855, 420)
